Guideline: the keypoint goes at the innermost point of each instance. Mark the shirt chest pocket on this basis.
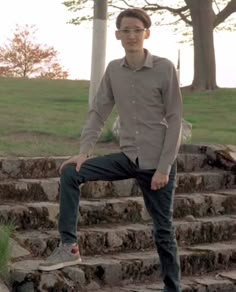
(157, 95)
(150, 96)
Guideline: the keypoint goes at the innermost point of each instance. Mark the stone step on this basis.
(191, 162)
(217, 155)
(3, 286)
(116, 238)
(121, 268)
(47, 189)
(23, 190)
(205, 204)
(194, 148)
(43, 215)
(185, 183)
(29, 167)
(45, 167)
(222, 281)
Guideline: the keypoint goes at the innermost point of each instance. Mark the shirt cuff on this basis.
(164, 168)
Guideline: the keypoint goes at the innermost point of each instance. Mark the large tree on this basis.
(22, 56)
(202, 16)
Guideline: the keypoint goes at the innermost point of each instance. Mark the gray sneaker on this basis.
(63, 256)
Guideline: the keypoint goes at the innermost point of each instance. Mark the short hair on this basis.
(136, 13)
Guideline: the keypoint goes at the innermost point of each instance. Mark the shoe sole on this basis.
(59, 266)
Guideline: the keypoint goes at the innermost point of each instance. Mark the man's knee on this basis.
(69, 174)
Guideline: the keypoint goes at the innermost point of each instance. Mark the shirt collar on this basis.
(147, 63)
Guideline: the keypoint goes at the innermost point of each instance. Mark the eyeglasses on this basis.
(136, 31)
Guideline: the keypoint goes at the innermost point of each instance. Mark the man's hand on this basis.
(78, 160)
(159, 180)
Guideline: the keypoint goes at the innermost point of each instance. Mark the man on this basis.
(145, 90)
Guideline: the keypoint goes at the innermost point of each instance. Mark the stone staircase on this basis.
(116, 240)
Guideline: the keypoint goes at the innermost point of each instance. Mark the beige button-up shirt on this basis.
(149, 104)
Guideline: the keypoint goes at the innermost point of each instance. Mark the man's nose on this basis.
(132, 34)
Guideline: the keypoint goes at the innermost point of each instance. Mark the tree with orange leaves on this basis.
(22, 56)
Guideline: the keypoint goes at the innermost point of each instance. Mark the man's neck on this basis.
(135, 60)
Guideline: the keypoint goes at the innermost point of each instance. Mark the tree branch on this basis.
(217, 6)
(226, 12)
(170, 9)
(155, 7)
(170, 23)
(180, 11)
(185, 18)
(118, 7)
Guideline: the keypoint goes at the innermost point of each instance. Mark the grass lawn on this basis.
(213, 115)
(45, 117)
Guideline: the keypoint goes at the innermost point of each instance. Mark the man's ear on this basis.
(117, 35)
(147, 33)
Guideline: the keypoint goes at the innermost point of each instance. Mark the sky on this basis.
(74, 43)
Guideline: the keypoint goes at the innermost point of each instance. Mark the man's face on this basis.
(132, 34)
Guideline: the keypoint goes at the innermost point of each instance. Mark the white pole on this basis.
(99, 46)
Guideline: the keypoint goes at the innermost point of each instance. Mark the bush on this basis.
(107, 136)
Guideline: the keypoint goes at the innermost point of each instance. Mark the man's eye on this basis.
(126, 30)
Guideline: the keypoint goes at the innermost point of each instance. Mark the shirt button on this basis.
(133, 101)
(132, 85)
(137, 132)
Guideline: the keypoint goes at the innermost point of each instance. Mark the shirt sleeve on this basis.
(172, 100)
(100, 109)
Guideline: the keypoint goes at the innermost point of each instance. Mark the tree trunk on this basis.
(204, 53)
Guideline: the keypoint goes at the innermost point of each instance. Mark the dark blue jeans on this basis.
(159, 204)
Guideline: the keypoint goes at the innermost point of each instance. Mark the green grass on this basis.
(5, 231)
(45, 117)
(213, 116)
(43, 106)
